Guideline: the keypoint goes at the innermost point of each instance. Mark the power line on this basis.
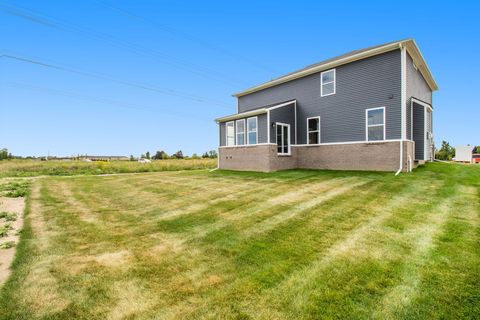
(102, 100)
(119, 81)
(184, 35)
(43, 19)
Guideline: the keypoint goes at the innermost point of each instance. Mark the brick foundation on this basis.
(381, 156)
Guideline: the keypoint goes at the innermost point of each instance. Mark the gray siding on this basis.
(364, 84)
(261, 130)
(418, 88)
(419, 130)
(286, 115)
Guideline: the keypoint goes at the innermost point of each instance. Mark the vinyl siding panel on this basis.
(418, 88)
(369, 83)
(419, 130)
(286, 115)
(261, 130)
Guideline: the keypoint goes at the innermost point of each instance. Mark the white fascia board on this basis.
(242, 115)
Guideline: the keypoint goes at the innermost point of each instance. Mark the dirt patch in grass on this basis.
(14, 207)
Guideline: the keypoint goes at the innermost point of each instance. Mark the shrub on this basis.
(4, 230)
(15, 189)
(7, 245)
(8, 216)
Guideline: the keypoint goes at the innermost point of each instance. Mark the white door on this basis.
(283, 138)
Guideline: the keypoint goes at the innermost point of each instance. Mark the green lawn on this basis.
(229, 245)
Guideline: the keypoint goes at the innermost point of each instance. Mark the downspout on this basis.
(403, 61)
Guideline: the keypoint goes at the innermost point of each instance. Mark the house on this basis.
(464, 154)
(369, 109)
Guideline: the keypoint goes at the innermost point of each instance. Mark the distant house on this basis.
(464, 154)
(104, 158)
(369, 109)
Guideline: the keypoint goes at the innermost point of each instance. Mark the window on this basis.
(327, 86)
(313, 130)
(375, 124)
(252, 130)
(283, 137)
(230, 134)
(240, 131)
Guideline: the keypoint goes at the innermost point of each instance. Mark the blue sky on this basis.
(152, 75)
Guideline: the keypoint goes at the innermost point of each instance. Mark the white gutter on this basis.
(403, 104)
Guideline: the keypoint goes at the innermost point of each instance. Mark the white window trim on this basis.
(289, 139)
(256, 130)
(308, 132)
(237, 133)
(375, 125)
(226, 133)
(334, 82)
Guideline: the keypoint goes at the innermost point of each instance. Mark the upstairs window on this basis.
(252, 137)
(375, 124)
(230, 134)
(240, 131)
(327, 85)
(313, 130)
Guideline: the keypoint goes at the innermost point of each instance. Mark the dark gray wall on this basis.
(418, 88)
(369, 83)
(419, 130)
(286, 115)
(261, 130)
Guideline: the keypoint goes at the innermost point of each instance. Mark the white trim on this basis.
(403, 98)
(410, 44)
(268, 127)
(249, 145)
(375, 125)
(277, 124)
(237, 133)
(420, 102)
(308, 132)
(242, 115)
(347, 142)
(411, 121)
(226, 133)
(283, 104)
(334, 82)
(256, 130)
(403, 103)
(425, 133)
(296, 126)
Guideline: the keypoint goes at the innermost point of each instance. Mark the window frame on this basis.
(334, 82)
(375, 125)
(226, 133)
(237, 132)
(318, 130)
(256, 131)
(289, 147)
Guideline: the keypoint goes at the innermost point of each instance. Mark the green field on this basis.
(299, 244)
(29, 168)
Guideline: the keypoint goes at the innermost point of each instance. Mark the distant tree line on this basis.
(159, 155)
(162, 155)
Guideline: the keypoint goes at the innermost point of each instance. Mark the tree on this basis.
(195, 156)
(147, 155)
(178, 155)
(132, 158)
(446, 152)
(477, 149)
(3, 154)
(160, 155)
(205, 155)
(212, 154)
